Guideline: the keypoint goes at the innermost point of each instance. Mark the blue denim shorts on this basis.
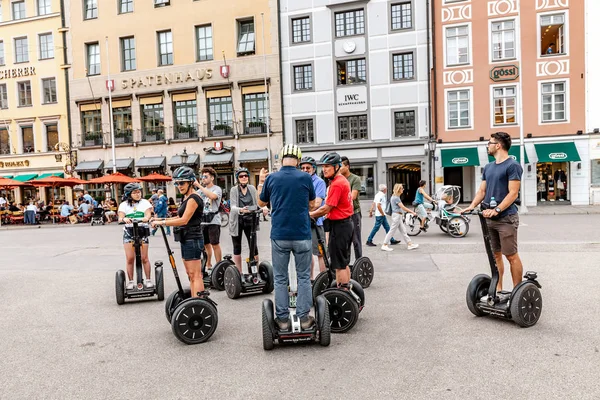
(192, 249)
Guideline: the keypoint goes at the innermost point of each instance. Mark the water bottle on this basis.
(493, 203)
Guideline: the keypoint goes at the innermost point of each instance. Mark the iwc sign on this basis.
(352, 99)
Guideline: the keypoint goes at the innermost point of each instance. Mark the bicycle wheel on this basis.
(224, 219)
(413, 225)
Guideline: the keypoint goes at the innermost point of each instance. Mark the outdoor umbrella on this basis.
(76, 181)
(9, 184)
(154, 177)
(117, 177)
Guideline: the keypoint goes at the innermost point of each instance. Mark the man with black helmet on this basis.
(135, 207)
(309, 165)
(291, 194)
(339, 210)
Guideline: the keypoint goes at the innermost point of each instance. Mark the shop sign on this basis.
(557, 156)
(460, 160)
(224, 71)
(17, 72)
(352, 99)
(14, 164)
(504, 73)
(166, 79)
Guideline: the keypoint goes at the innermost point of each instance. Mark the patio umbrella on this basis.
(154, 177)
(117, 177)
(6, 183)
(76, 181)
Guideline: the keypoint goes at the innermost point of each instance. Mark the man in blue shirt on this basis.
(87, 197)
(65, 209)
(502, 181)
(160, 209)
(291, 194)
(309, 165)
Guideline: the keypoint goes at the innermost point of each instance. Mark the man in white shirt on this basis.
(379, 204)
(2, 203)
(30, 211)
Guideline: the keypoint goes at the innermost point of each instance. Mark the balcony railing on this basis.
(123, 136)
(185, 132)
(220, 129)
(153, 135)
(92, 139)
(255, 128)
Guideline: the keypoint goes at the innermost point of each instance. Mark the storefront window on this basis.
(367, 180)
(595, 172)
(553, 182)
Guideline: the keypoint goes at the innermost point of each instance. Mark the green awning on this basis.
(557, 152)
(464, 157)
(59, 174)
(515, 153)
(24, 178)
(7, 176)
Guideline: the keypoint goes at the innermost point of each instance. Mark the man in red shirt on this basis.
(338, 206)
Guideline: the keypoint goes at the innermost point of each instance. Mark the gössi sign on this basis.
(504, 73)
(460, 160)
(352, 99)
(166, 78)
(557, 156)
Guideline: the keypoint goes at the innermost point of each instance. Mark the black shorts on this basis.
(211, 234)
(246, 229)
(340, 242)
(192, 249)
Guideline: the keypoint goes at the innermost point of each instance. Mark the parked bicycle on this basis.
(224, 213)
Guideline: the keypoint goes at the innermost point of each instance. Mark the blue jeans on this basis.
(29, 217)
(281, 257)
(378, 222)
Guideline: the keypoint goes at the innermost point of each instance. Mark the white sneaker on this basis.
(130, 285)
(385, 247)
(149, 284)
(412, 246)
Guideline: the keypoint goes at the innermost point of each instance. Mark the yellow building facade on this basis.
(188, 76)
(33, 93)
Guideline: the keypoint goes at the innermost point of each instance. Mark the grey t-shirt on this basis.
(497, 177)
(212, 205)
(395, 202)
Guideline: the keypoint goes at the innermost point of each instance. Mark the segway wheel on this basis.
(478, 288)
(160, 283)
(173, 301)
(363, 271)
(526, 305)
(267, 324)
(194, 321)
(413, 225)
(233, 282)
(265, 271)
(320, 284)
(217, 276)
(343, 310)
(458, 227)
(323, 321)
(120, 286)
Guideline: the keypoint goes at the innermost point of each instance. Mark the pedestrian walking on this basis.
(398, 219)
(379, 205)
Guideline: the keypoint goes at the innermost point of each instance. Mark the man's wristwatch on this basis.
(498, 210)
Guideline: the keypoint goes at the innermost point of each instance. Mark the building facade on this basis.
(33, 93)
(186, 75)
(509, 65)
(592, 80)
(355, 80)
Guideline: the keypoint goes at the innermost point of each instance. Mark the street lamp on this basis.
(184, 157)
(432, 145)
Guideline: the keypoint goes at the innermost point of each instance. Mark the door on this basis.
(454, 176)
(407, 174)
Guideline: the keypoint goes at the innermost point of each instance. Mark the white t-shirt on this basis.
(31, 207)
(136, 210)
(2, 201)
(380, 199)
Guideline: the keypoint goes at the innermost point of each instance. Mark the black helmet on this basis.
(308, 160)
(331, 158)
(239, 171)
(184, 174)
(130, 187)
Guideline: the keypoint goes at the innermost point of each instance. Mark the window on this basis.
(122, 124)
(3, 96)
(28, 140)
(4, 141)
(152, 122)
(350, 23)
(18, 9)
(91, 127)
(186, 119)
(161, 3)
(44, 7)
(301, 30)
(24, 93)
(165, 48)
(2, 60)
(90, 9)
(303, 76)
(305, 131)
(93, 58)
(505, 105)
(255, 108)
(401, 16)
(595, 164)
(125, 6)
(352, 71)
(127, 54)
(246, 37)
(503, 40)
(353, 127)
(49, 87)
(552, 34)
(403, 66)
(51, 136)
(205, 43)
(459, 109)
(46, 46)
(457, 45)
(21, 50)
(404, 124)
(553, 101)
(220, 116)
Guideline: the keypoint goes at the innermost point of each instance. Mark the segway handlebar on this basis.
(171, 259)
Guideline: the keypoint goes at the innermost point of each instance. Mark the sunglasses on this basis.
(205, 176)
(242, 176)
(180, 183)
(305, 168)
(490, 142)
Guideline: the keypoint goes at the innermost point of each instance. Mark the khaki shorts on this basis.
(503, 234)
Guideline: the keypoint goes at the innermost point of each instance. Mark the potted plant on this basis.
(91, 138)
(150, 136)
(120, 136)
(221, 130)
(256, 127)
(183, 131)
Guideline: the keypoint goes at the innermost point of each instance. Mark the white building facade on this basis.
(593, 97)
(355, 80)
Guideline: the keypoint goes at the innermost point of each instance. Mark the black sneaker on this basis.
(307, 322)
(204, 294)
(371, 244)
(394, 241)
(283, 325)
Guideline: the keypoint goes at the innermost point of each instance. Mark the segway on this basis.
(523, 304)
(214, 278)
(320, 332)
(259, 280)
(193, 319)
(138, 231)
(363, 271)
(344, 305)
